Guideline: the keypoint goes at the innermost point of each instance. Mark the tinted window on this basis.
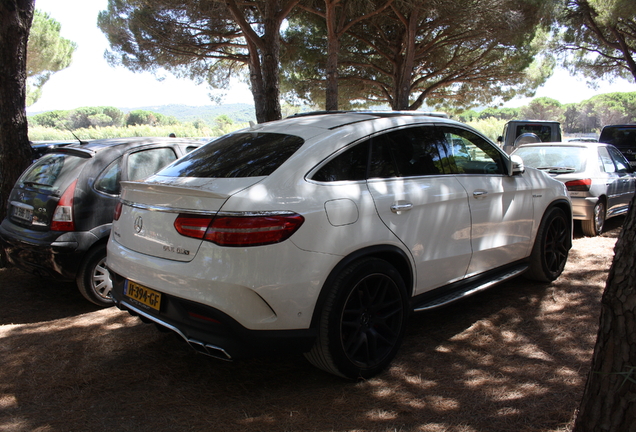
(144, 163)
(620, 136)
(544, 132)
(108, 180)
(237, 155)
(468, 153)
(621, 163)
(406, 153)
(55, 171)
(350, 165)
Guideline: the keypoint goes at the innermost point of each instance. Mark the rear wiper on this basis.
(558, 170)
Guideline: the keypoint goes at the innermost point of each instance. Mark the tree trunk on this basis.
(270, 60)
(404, 69)
(15, 151)
(609, 399)
(333, 48)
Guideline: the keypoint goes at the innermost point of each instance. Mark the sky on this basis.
(90, 81)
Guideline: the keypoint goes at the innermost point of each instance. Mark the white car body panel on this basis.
(442, 251)
(501, 209)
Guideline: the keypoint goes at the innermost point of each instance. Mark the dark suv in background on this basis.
(60, 210)
(623, 137)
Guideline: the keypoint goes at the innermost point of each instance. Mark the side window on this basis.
(108, 180)
(145, 163)
(469, 153)
(407, 153)
(619, 159)
(350, 165)
(606, 163)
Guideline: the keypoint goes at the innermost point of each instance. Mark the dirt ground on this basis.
(514, 358)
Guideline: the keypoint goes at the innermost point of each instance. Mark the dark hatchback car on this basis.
(623, 137)
(60, 210)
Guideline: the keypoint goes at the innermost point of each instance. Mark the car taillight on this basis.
(240, 230)
(582, 185)
(117, 211)
(63, 215)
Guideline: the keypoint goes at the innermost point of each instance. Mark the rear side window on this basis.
(620, 136)
(237, 155)
(544, 132)
(54, 171)
(408, 153)
(350, 165)
(145, 163)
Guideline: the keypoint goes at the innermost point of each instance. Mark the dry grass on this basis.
(512, 359)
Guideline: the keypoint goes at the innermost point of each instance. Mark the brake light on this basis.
(240, 230)
(117, 211)
(63, 215)
(582, 185)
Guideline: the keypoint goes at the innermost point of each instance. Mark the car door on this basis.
(624, 178)
(422, 203)
(501, 206)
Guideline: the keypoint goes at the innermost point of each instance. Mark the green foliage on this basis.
(414, 52)
(585, 117)
(51, 119)
(142, 117)
(543, 108)
(95, 116)
(40, 133)
(598, 39)
(490, 126)
(47, 53)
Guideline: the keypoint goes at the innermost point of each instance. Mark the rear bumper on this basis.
(583, 208)
(48, 254)
(210, 331)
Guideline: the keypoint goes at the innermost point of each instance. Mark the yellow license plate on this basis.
(143, 294)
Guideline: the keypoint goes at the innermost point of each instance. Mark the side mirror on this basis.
(499, 139)
(517, 165)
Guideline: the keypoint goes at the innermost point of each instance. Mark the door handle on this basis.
(480, 194)
(403, 206)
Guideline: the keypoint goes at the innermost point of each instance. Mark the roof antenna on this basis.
(80, 141)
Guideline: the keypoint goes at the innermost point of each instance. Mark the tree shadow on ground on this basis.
(26, 298)
(512, 358)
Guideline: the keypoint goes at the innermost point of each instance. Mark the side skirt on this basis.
(454, 292)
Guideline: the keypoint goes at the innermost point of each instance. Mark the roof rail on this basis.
(386, 113)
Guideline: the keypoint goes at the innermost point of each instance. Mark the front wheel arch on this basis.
(551, 245)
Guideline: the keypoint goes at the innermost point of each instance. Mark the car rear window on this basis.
(620, 136)
(54, 171)
(237, 155)
(553, 158)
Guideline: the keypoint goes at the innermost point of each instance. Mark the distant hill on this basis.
(240, 112)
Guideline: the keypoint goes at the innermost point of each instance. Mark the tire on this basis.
(93, 279)
(551, 247)
(362, 322)
(594, 226)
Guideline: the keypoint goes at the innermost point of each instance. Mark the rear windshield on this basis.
(570, 159)
(619, 136)
(53, 171)
(544, 132)
(236, 155)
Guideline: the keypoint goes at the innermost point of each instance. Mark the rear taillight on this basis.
(582, 185)
(240, 230)
(63, 215)
(117, 211)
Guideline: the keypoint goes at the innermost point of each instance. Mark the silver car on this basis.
(599, 179)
